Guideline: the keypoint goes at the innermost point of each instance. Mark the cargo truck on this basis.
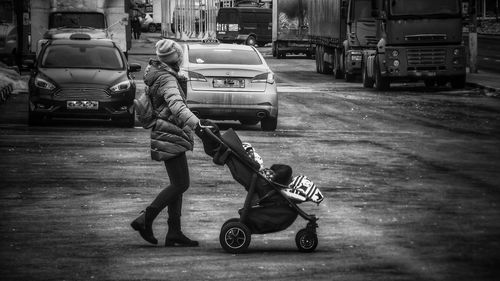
(341, 30)
(98, 18)
(291, 28)
(360, 36)
(416, 41)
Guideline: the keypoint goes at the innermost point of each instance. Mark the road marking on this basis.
(293, 89)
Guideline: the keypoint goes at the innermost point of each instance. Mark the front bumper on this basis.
(116, 106)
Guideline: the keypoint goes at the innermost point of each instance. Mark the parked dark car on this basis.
(82, 78)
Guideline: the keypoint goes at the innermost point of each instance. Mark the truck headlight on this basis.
(356, 57)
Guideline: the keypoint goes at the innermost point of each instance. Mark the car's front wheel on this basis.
(269, 123)
(34, 119)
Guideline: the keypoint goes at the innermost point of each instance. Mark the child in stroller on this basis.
(267, 206)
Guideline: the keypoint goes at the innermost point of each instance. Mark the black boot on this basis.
(144, 224)
(175, 237)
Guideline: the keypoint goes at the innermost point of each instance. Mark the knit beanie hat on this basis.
(169, 51)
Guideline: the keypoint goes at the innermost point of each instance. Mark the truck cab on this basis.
(416, 41)
(360, 35)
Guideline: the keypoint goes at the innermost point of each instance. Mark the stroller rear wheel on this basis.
(234, 237)
(306, 240)
(230, 220)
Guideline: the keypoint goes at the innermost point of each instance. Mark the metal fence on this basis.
(190, 19)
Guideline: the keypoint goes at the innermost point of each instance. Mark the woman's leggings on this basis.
(171, 196)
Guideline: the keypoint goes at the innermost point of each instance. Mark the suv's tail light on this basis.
(195, 76)
(267, 77)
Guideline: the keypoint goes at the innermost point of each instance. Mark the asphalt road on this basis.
(410, 178)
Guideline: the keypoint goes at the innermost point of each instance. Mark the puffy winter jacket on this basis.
(173, 130)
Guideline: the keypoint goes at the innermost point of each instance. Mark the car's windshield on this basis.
(82, 56)
(227, 16)
(76, 20)
(362, 10)
(224, 56)
(424, 7)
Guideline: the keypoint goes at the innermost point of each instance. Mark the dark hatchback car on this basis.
(82, 78)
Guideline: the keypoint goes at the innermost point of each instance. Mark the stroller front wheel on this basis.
(306, 240)
(235, 237)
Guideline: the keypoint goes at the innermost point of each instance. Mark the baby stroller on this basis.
(266, 208)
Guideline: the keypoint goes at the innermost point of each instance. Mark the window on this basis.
(424, 7)
(94, 20)
(82, 56)
(224, 56)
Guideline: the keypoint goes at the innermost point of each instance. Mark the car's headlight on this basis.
(121, 87)
(44, 84)
(267, 77)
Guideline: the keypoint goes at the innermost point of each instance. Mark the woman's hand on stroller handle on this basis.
(206, 126)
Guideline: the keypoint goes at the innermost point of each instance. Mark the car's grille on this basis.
(426, 57)
(82, 94)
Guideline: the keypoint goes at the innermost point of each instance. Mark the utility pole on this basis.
(473, 36)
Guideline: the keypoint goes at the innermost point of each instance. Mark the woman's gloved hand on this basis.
(205, 123)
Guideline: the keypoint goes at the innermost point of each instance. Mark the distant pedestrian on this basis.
(136, 27)
(171, 137)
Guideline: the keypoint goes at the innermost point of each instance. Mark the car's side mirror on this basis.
(134, 67)
(29, 63)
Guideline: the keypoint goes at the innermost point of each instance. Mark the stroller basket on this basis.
(266, 208)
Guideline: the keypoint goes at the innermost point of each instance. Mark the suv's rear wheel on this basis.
(250, 41)
(269, 124)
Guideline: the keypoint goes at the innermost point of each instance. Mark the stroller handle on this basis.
(207, 130)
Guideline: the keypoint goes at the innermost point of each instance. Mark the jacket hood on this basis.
(155, 69)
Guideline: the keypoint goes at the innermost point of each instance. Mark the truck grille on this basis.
(82, 94)
(426, 57)
(371, 40)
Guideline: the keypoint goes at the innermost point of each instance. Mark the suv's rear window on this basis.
(82, 56)
(224, 56)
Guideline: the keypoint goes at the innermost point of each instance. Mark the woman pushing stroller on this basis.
(171, 137)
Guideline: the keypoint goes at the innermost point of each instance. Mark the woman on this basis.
(171, 137)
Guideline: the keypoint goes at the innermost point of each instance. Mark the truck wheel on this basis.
(317, 58)
(458, 82)
(327, 69)
(250, 41)
(337, 70)
(152, 27)
(381, 83)
(367, 81)
(430, 83)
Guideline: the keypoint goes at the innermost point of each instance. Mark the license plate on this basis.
(82, 104)
(229, 83)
